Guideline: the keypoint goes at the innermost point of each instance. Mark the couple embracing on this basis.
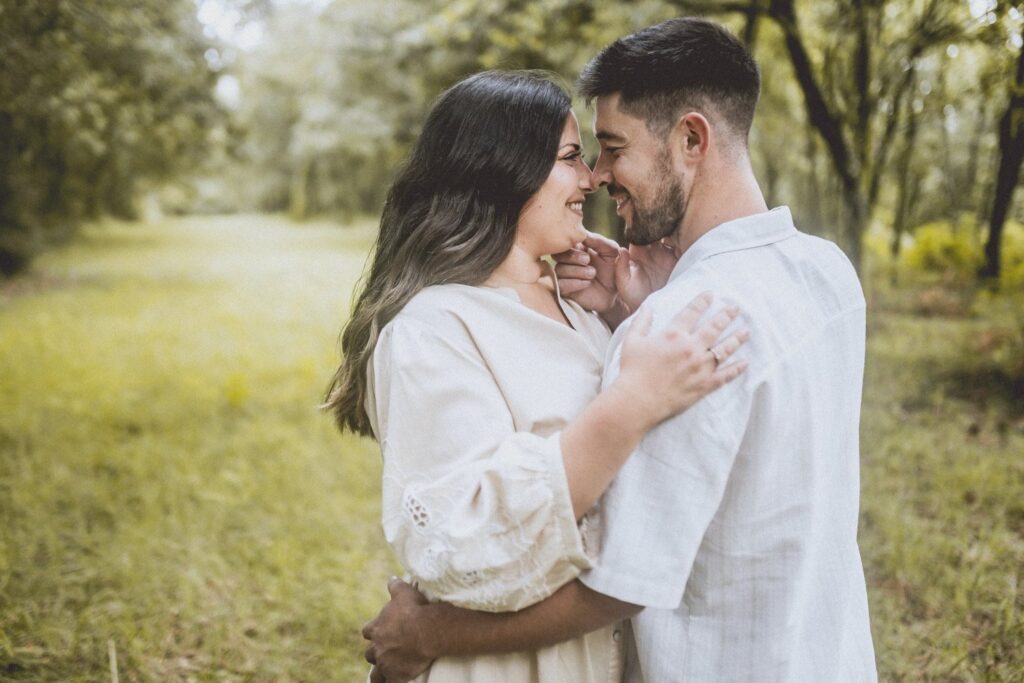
(645, 466)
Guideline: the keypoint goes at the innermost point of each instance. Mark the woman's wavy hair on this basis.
(450, 216)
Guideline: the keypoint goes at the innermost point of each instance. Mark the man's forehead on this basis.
(610, 122)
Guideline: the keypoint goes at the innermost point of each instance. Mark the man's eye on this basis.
(614, 151)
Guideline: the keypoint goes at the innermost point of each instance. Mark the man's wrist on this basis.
(428, 629)
(616, 312)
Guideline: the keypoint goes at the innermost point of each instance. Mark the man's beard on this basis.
(662, 216)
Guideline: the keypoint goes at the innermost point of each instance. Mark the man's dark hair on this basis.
(679, 64)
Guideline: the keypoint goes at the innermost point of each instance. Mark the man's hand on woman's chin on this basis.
(586, 274)
(397, 646)
(603, 277)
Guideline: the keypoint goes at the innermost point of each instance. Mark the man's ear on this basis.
(690, 138)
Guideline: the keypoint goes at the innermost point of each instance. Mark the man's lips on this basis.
(620, 196)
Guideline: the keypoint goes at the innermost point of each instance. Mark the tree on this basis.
(845, 79)
(95, 100)
(1011, 146)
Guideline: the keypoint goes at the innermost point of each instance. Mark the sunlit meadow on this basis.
(173, 502)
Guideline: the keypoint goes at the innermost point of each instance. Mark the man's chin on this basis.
(639, 240)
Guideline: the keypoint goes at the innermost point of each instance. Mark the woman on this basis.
(482, 385)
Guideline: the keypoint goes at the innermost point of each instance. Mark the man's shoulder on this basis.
(804, 260)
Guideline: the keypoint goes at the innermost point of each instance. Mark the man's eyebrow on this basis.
(606, 136)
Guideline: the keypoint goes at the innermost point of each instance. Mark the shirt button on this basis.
(617, 635)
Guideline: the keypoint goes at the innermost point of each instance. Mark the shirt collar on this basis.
(743, 233)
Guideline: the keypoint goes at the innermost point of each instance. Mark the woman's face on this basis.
(552, 220)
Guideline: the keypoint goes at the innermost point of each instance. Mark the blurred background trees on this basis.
(178, 506)
(878, 116)
(98, 100)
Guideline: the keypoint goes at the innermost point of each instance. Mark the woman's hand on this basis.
(664, 373)
(660, 374)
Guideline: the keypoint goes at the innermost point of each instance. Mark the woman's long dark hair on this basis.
(450, 216)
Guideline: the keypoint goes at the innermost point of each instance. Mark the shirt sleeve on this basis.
(478, 514)
(659, 507)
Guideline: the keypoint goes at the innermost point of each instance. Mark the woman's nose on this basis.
(586, 177)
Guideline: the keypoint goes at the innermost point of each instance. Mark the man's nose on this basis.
(602, 174)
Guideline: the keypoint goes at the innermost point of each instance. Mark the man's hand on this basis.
(586, 274)
(642, 270)
(395, 647)
(600, 275)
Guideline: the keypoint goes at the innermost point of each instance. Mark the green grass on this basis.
(168, 485)
(166, 480)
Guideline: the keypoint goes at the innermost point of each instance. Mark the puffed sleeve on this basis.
(478, 514)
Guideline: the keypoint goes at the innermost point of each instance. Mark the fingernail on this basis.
(590, 271)
(584, 258)
(733, 310)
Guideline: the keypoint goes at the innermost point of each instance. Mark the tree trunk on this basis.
(298, 196)
(752, 24)
(1011, 152)
(907, 194)
(829, 126)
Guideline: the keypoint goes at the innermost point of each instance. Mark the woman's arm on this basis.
(661, 375)
(483, 516)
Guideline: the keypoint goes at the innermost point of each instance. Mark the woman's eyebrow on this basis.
(571, 144)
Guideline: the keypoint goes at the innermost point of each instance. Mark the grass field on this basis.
(170, 495)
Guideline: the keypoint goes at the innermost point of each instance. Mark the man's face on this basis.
(635, 166)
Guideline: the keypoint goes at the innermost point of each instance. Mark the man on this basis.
(730, 535)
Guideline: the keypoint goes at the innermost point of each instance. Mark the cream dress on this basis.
(469, 391)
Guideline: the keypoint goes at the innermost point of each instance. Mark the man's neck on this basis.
(716, 200)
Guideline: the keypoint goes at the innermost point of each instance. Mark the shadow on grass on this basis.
(985, 386)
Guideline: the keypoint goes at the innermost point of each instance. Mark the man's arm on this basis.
(409, 633)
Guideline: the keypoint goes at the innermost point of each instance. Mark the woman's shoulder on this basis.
(448, 312)
(437, 303)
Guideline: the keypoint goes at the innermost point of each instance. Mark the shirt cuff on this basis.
(604, 580)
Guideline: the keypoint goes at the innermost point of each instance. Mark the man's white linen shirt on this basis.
(735, 522)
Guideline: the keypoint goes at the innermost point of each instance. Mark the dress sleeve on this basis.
(478, 514)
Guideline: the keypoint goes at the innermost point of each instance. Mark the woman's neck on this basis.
(518, 269)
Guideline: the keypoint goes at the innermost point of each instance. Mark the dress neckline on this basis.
(513, 294)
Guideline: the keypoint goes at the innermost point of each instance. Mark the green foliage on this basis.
(940, 248)
(95, 100)
(1011, 277)
(954, 252)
